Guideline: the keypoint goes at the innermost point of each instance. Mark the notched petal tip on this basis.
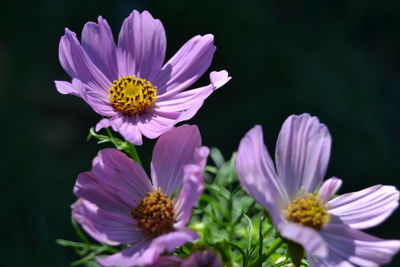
(219, 78)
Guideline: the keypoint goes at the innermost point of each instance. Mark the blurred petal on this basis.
(357, 247)
(309, 238)
(106, 227)
(329, 188)
(127, 257)
(78, 65)
(98, 43)
(186, 66)
(257, 174)
(141, 46)
(302, 153)
(193, 187)
(172, 151)
(207, 258)
(365, 208)
(145, 253)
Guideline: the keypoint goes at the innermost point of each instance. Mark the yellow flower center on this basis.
(309, 211)
(130, 95)
(154, 214)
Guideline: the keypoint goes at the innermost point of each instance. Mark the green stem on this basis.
(277, 243)
(134, 154)
(128, 147)
(79, 232)
(279, 264)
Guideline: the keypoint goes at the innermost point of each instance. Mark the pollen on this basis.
(309, 211)
(130, 95)
(154, 214)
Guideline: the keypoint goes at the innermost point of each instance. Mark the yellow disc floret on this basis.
(130, 95)
(154, 214)
(309, 211)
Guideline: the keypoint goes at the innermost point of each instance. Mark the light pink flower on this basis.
(118, 204)
(129, 83)
(299, 203)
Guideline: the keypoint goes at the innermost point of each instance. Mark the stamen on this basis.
(130, 95)
(154, 214)
(309, 211)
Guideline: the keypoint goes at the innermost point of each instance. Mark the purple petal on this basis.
(126, 257)
(302, 153)
(193, 186)
(167, 261)
(145, 255)
(114, 179)
(98, 101)
(78, 65)
(365, 208)
(67, 88)
(329, 188)
(108, 198)
(186, 66)
(155, 122)
(98, 43)
(171, 153)
(189, 102)
(106, 227)
(207, 258)
(356, 247)
(219, 78)
(126, 126)
(310, 239)
(257, 174)
(141, 46)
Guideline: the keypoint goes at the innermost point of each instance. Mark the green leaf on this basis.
(241, 251)
(217, 156)
(296, 252)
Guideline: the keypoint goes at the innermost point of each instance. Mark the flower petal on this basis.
(329, 188)
(189, 102)
(67, 88)
(310, 239)
(302, 153)
(257, 174)
(126, 257)
(174, 150)
(98, 43)
(186, 66)
(365, 208)
(207, 258)
(126, 126)
(357, 247)
(116, 183)
(90, 188)
(141, 46)
(193, 187)
(78, 65)
(145, 253)
(155, 122)
(106, 227)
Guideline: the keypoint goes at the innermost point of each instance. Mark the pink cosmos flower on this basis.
(206, 258)
(128, 83)
(118, 204)
(300, 207)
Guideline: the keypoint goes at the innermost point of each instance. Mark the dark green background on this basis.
(338, 60)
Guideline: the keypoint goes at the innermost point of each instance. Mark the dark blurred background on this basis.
(339, 61)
